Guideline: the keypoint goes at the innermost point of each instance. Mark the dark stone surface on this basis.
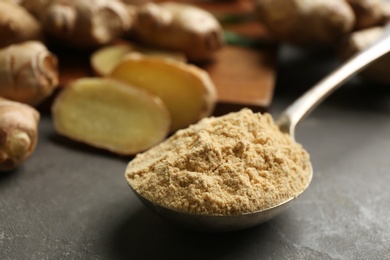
(72, 202)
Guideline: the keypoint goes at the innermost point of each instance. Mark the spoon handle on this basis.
(300, 108)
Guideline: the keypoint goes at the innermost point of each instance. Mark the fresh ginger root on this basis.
(178, 26)
(18, 133)
(110, 115)
(28, 72)
(81, 23)
(17, 25)
(35, 7)
(369, 13)
(104, 60)
(378, 71)
(303, 22)
(187, 90)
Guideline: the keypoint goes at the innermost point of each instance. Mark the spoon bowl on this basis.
(287, 123)
(219, 223)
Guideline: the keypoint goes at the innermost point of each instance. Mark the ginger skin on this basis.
(18, 133)
(28, 72)
(35, 7)
(82, 23)
(306, 23)
(378, 71)
(17, 25)
(369, 13)
(179, 27)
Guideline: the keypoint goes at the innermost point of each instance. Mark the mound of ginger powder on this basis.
(234, 164)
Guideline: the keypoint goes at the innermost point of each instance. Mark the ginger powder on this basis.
(234, 164)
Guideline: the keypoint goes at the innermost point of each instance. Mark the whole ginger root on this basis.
(35, 7)
(305, 22)
(369, 13)
(17, 25)
(81, 23)
(18, 133)
(177, 26)
(378, 71)
(104, 60)
(28, 72)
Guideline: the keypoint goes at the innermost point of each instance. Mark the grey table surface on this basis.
(72, 202)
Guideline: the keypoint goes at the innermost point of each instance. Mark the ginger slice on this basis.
(187, 90)
(110, 115)
(104, 60)
(306, 23)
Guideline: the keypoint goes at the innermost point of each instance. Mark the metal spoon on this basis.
(287, 122)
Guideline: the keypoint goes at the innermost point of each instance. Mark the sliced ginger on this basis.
(110, 115)
(104, 60)
(187, 90)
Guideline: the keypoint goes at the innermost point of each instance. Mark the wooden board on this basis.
(243, 76)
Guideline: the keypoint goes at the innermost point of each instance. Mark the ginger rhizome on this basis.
(18, 133)
(369, 13)
(28, 72)
(17, 25)
(306, 22)
(82, 23)
(177, 26)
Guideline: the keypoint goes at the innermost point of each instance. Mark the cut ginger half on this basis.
(187, 90)
(104, 60)
(110, 115)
